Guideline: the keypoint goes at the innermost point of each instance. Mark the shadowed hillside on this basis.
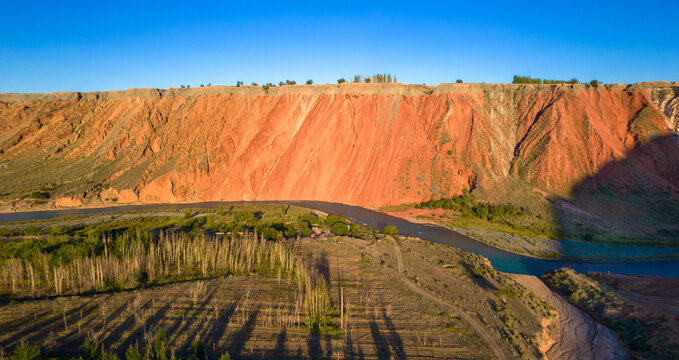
(637, 195)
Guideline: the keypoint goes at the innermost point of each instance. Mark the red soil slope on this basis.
(362, 144)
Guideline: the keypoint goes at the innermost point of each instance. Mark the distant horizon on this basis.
(330, 84)
(84, 46)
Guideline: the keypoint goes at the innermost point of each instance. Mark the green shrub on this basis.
(132, 353)
(25, 352)
(269, 233)
(341, 80)
(340, 228)
(309, 82)
(40, 195)
(507, 292)
(478, 272)
(333, 219)
(198, 351)
(390, 230)
(160, 345)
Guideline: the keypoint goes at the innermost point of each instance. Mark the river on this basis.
(500, 259)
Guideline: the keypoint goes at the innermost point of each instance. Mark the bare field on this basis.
(254, 316)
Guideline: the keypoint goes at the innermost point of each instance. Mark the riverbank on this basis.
(501, 259)
(543, 248)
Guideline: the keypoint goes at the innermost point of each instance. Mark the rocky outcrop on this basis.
(667, 101)
(365, 144)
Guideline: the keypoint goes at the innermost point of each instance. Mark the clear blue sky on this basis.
(109, 45)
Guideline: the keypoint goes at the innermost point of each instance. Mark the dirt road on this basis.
(474, 323)
(577, 335)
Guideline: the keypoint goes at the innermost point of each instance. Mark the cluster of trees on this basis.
(270, 85)
(377, 78)
(287, 82)
(189, 86)
(531, 80)
(339, 225)
(61, 266)
(156, 349)
(465, 204)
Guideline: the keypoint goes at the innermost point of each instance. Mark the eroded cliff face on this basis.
(667, 101)
(363, 144)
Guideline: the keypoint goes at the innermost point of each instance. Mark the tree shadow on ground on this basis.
(314, 344)
(381, 343)
(238, 339)
(393, 337)
(279, 348)
(323, 266)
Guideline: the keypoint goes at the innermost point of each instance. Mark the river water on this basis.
(500, 259)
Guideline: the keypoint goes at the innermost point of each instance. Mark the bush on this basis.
(25, 352)
(132, 353)
(269, 233)
(333, 219)
(309, 218)
(458, 81)
(390, 230)
(309, 82)
(503, 293)
(198, 351)
(594, 83)
(160, 345)
(340, 229)
(481, 211)
(341, 80)
(40, 195)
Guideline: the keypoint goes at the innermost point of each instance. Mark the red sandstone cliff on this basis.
(364, 144)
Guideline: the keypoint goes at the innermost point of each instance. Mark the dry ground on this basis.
(248, 316)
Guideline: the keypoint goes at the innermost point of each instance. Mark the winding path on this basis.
(418, 290)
